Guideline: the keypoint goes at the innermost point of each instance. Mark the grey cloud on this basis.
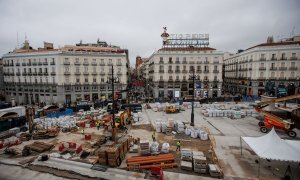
(137, 25)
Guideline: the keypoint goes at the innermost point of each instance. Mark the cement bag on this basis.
(165, 148)
(154, 147)
(171, 123)
(188, 131)
(203, 136)
(158, 126)
(163, 127)
(194, 134)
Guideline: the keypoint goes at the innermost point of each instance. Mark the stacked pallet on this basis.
(187, 155)
(124, 146)
(214, 170)
(145, 147)
(113, 155)
(147, 162)
(102, 155)
(39, 146)
(199, 162)
(169, 131)
(186, 165)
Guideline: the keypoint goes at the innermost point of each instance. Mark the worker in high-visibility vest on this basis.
(98, 125)
(82, 133)
(153, 136)
(178, 146)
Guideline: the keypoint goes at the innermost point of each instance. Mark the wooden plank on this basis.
(152, 161)
(138, 158)
(154, 165)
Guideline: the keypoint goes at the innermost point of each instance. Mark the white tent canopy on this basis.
(271, 146)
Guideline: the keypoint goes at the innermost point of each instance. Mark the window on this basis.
(170, 67)
(46, 70)
(161, 77)
(77, 80)
(273, 56)
(283, 56)
(272, 74)
(102, 80)
(292, 74)
(77, 69)
(184, 77)
(119, 62)
(40, 70)
(293, 64)
(177, 77)
(272, 65)
(94, 80)
(67, 79)
(184, 67)
(101, 61)
(67, 69)
(281, 74)
(170, 60)
(94, 69)
(282, 64)
(53, 80)
(53, 69)
(161, 68)
(86, 69)
(170, 77)
(177, 68)
(86, 80)
(215, 67)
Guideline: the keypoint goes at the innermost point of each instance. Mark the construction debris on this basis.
(40, 147)
(145, 147)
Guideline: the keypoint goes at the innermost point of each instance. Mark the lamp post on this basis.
(193, 77)
(113, 80)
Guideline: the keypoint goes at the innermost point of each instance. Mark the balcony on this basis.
(86, 73)
(161, 71)
(77, 73)
(77, 63)
(94, 73)
(29, 74)
(45, 63)
(262, 59)
(273, 59)
(23, 64)
(86, 63)
(215, 71)
(52, 63)
(198, 71)
(272, 78)
(67, 73)
(24, 74)
(293, 68)
(177, 62)
(262, 68)
(119, 73)
(46, 74)
(216, 62)
(184, 62)
(102, 73)
(281, 78)
(206, 71)
(177, 71)
(102, 64)
(34, 73)
(34, 64)
(206, 62)
(184, 71)
(66, 63)
(282, 68)
(18, 74)
(53, 73)
(29, 64)
(293, 58)
(273, 68)
(250, 60)
(94, 63)
(250, 69)
(17, 64)
(40, 63)
(109, 63)
(161, 62)
(170, 71)
(293, 79)
(283, 58)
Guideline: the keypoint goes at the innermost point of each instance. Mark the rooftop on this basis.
(187, 49)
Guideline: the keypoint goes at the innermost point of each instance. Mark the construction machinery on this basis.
(270, 120)
(172, 109)
(122, 118)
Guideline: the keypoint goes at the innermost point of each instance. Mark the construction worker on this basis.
(98, 125)
(178, 145)
(82, 133)
(153, 136)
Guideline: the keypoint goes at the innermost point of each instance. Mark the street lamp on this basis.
(113, 80)
(193, 77)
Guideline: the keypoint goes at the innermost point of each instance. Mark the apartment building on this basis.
(248, 71)
(170, 71)
(64, 75)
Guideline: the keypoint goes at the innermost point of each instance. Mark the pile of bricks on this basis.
(199, 162)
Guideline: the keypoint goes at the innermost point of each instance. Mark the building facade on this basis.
(169, 71)
(247, 72)
(64, 75)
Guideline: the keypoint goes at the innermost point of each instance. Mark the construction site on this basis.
(227, 140)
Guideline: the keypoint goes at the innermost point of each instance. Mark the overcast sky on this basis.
(137, 24)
